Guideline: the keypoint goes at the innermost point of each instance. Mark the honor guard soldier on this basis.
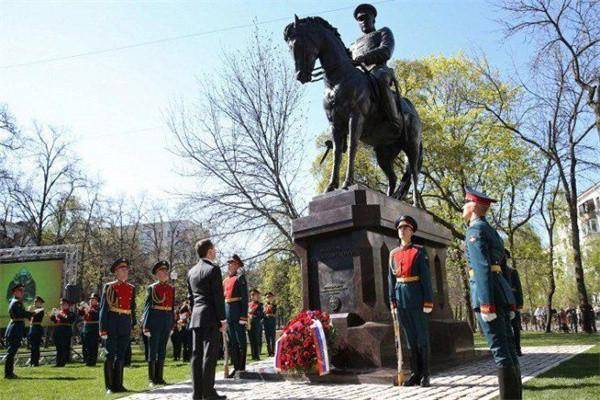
(186, 332)
(372, 50)
(256, 314)
(176, 336)
(117, 317)
(512, 277)
(63, 319)
(491, 295)
(158, 321)
(412, 297)
(270, 322)
(36, 331)
(235, 290)
(15, 331)
(91, 330)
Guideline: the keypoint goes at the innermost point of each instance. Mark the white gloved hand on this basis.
(147, 333)
(103, 337)
(427, 310)
(488, 317)
(242, 322)
(512, 315)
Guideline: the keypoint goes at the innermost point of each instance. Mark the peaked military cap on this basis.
(118, 263)
(94, 296)
(64, 300)
(235, 258)
(162, 264)
(364, 8)
(270, 294)
(39, 298)
(406, 220)
(478, 197)
(254, 291)
(18, 286)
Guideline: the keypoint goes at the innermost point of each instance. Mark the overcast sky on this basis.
(113, 102)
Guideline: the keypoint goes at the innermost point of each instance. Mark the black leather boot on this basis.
(119, 366)
(160, 367)
(424, 353)
(242, 358)
(508, 383)
(415, 369)
(108, 375)
(518, 392)
(152, 373)
(9, 367)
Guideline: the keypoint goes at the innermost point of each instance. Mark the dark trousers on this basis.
(62, 341)
(36, 334)
(237, 344)
(255, 337)
(516, 327)
(90, 338)
(186, 343)
(9, 362)
(145, 340)
(270, 334)
(176, 340)
(499, 336)
(415, 325)
(117, 346)
(204, 361)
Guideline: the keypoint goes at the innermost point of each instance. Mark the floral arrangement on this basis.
(302, 346)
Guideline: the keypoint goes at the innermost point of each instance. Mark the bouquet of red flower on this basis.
(302, 346)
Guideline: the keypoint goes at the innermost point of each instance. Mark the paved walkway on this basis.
(475, 380)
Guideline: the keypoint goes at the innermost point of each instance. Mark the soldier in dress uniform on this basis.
(409, 284)
(15, 331)
(186, 332)
(63, 319)
(36, 331)
(373, 50)
(512, 277)
(158, 321)
(256, 314)
(91, 329)
(270, 322)
(176, 336)
(117, 317)
(491, 296)
(235, 290)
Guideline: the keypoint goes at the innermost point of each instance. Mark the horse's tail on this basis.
(406, 178)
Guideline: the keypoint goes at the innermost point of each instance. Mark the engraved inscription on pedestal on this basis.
(332, 258)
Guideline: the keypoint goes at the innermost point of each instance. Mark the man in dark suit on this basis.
(207, 302)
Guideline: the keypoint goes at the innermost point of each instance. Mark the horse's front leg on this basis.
(355, 126)
(338, 147)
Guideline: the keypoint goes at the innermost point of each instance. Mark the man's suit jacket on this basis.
(205, 287)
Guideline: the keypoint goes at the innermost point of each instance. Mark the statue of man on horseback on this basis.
(359, 102)
(373, 50)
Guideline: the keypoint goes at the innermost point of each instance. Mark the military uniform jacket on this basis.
(90, 318)
(375, 47)
(409, 279)
(256, 310)
(515, 284)
(117, 308)
(270, 310)
(63, 318)
(36, 323)
(485, 251)
(159, 297)
(235, 290)
(16, 327)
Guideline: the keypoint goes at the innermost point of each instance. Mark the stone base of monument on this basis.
(344, 245)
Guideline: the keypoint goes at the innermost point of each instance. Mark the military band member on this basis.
(15, 331)
(176, 336)
(373, 50)
(63, 319)
(412, 297)
(256, 314)
(512, 277)
(91, 330)
(36, 331)
(270, 323)
(186, 333)
(158, 321)
(235, 290)
(491, 295)
(117, 317)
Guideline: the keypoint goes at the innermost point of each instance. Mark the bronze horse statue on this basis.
(352, 107)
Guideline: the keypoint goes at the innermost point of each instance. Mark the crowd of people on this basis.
(564, 319)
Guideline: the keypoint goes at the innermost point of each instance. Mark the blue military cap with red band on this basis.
(478, 197)
(119, 263)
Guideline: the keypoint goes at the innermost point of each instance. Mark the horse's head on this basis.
(300, 37)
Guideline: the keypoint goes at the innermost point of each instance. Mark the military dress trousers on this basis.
(490, 292)
(158, 318)
(15, 332)
(410, 288)
(255, 316)
(117, 317)
(90, 334)
(235, 291)
(35, 337)
(270, 322)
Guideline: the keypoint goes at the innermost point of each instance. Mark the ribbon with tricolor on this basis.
(320, 341)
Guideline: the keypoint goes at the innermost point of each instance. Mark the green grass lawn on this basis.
(76, 381)
(575, 379)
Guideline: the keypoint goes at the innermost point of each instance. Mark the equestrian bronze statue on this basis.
(359, 101)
